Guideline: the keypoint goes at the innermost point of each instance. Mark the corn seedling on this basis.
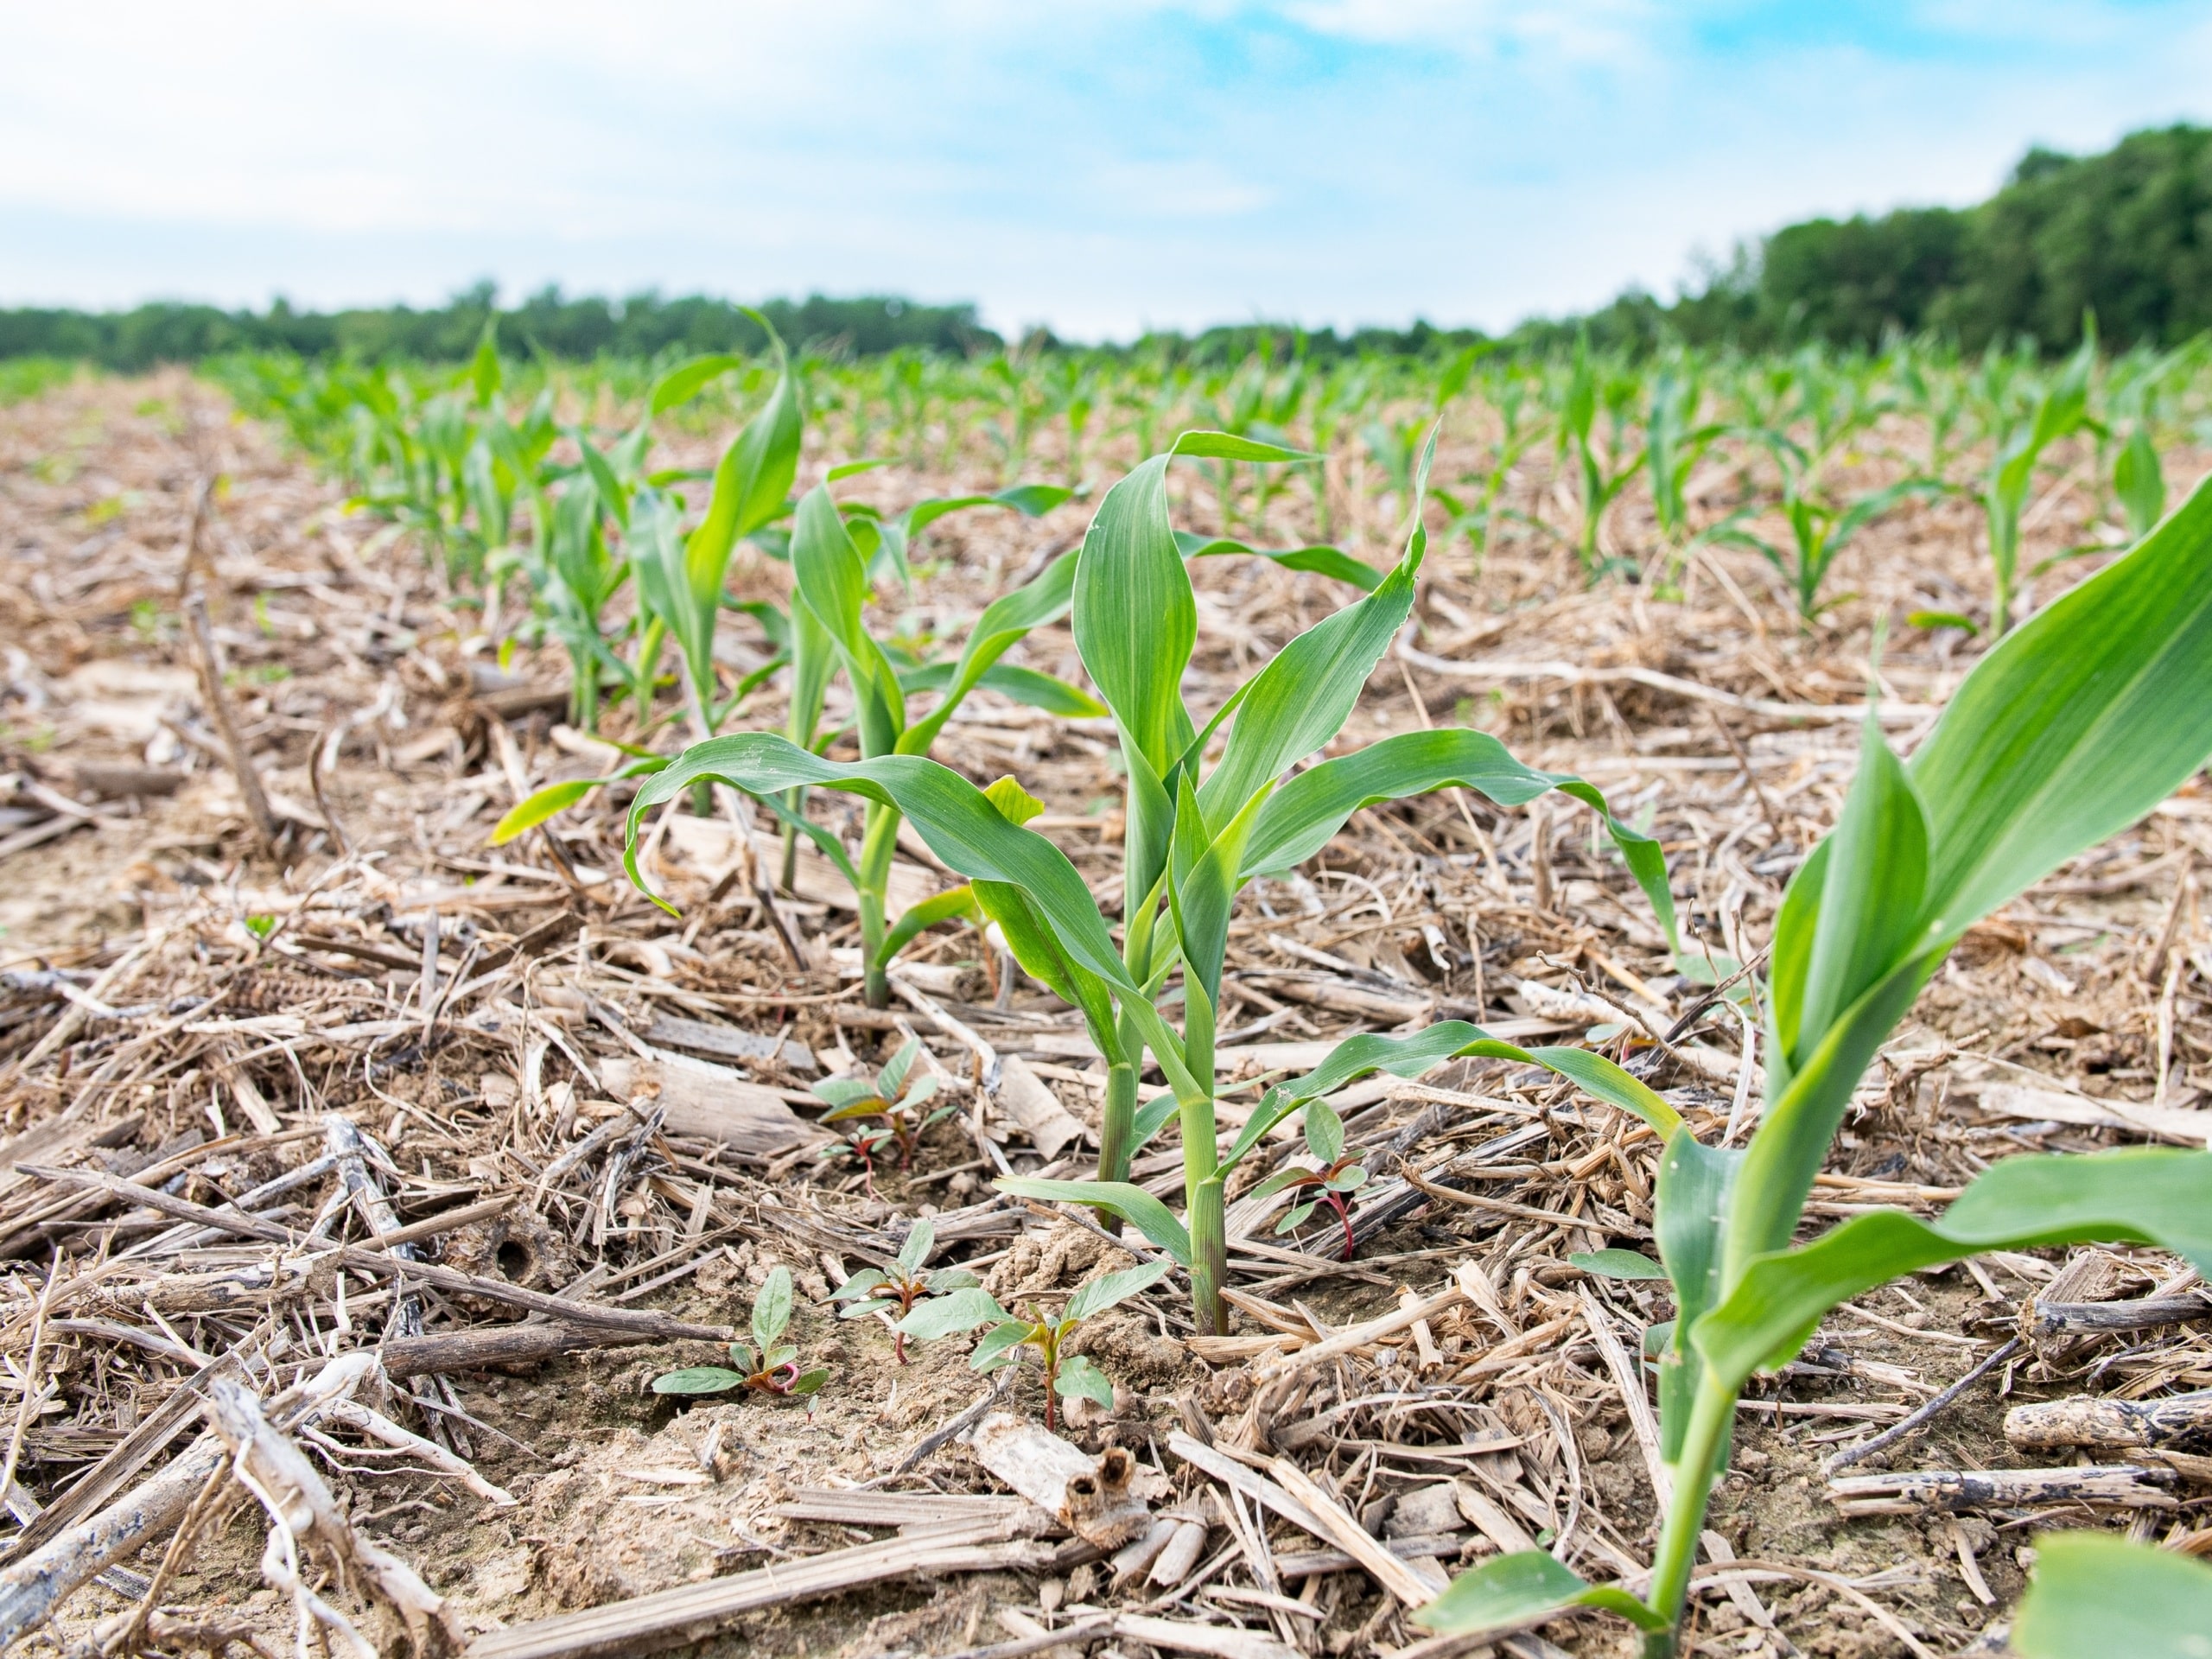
(894, 1097)
(2067, 731)
(679, 578)
(1195, 836)
(766, 1365)
(1604, 467)
(1066, 1376)
(1335, 1183)
(1818, 533)
(2060, 408)
(894, 1292)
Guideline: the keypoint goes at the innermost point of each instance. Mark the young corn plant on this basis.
(830, 588)
(2061, 409)
(1819, 531)
(679, 578)
(1196, 833)
(894, 1292)
(1604, 465)
(768, 1365)
(2067, 731)
(1066, 1376)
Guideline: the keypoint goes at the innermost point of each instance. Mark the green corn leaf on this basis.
(1152, 1117)
(954, 817)
(1132, 1203)
(1014, 804)
(687, 380)
(1689, 1211)
(944, 906)
(1105, 1291)
(698, 1379)
(772, 1308)
(1003, 623)
(1617, 1264)
(1409, 1057)
(1870, 891)
(1300, 701)
(1514, 1591)
(847, 469)
(2140, 481)
(753, 477)
(2093, 1596)
(944, 1316)
(2142, 1195)
(1135, 617)
(1079, 1379)
(1307, 810)
(1029, 686)
(1224, 445)
(2073, 727)
(535, 809)
(1331, 561)
(831, 583)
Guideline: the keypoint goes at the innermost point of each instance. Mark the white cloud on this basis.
(1092, 164)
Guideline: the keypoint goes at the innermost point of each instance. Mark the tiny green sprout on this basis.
(261, 926)
(1334, 1184)
(893, 1291)
(1065, 1375)
(858, 1143)
(766, 1365)
(856, 1098)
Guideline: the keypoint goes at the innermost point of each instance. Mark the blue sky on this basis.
(1098, 167)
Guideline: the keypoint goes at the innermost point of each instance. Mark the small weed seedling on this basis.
(895, 1291)
(1333, 1184)
(855, 1099)
(1065, 1375)
(766, 1365)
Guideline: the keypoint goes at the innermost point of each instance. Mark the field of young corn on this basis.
(1543, 1004)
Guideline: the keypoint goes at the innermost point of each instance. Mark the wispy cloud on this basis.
(1096, 165)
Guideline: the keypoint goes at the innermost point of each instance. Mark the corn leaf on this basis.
(952, 816)
(1301, 699)
(1132, 1203)
(831, 584)
(753, 477)
(2141, 1195)
(1307, 810)
(687, 380)
(2073, 727)
(1103, 1292)
(1691, 1206)
(1517, 1590)
(1135, 617)
(2094, 1595)
(1331, 561)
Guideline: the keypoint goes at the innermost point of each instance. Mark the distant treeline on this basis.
(641, 327)
(2126, 235)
